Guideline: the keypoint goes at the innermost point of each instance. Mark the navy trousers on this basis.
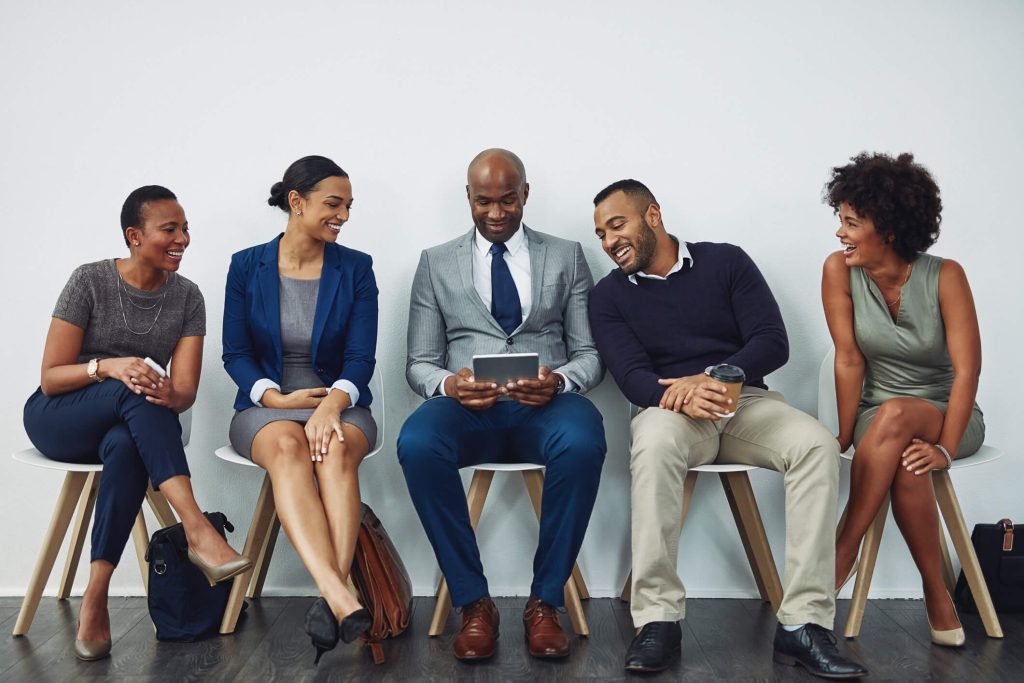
(136, 441)
(566, 436)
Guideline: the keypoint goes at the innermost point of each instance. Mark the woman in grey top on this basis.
(908, 356)
(111, 315)
(300, 334)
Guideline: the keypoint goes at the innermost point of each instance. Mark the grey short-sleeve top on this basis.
(120, 320)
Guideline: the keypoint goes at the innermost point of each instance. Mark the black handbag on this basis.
(182, 604)
(1002, 564)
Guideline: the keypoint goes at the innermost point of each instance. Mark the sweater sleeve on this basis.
(765, 344)
(622, 351)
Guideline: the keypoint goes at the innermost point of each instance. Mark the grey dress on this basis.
(907, 358)
(298, 306)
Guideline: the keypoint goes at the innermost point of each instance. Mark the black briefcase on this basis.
(1002, 563)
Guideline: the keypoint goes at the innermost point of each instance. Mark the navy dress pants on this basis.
(108, 423)
(566, 436)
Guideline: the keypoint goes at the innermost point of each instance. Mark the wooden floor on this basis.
(728, 640)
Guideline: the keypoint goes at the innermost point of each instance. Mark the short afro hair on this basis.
(634, 189)
(899, 195)
(135, 204)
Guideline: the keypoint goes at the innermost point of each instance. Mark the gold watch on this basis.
(94, 370)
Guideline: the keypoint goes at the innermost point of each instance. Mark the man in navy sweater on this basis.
(669, 311)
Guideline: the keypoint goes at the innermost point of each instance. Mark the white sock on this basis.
(793, 627)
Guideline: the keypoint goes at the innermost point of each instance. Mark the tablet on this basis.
(502, 368)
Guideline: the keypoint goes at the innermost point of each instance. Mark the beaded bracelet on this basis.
(949, 460)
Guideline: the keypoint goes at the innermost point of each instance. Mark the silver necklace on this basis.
(123, 285)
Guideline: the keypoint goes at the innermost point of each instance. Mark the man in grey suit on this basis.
(502, 288)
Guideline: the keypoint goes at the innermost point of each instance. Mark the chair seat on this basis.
(507, 466)
(31, 456)
(229, 454)
(724, 468)
(983, 455)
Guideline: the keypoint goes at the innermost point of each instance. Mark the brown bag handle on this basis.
(1007, 534)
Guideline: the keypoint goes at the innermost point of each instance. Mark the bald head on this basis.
(489, 159)
(497, 191)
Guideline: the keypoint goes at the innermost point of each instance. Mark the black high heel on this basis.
(322, 628)
(354, 625)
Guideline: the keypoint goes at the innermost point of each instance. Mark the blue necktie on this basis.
(505, 305)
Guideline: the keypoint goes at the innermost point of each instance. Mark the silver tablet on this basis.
(502, 368)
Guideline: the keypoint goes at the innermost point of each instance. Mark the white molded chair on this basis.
(738, 491)
(265, 525)
(948, 505)
(533, 477)
(81, 482)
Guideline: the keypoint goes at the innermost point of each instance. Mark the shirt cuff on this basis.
(570, 386)
(348, 388)
(439, 391)
(258, 389)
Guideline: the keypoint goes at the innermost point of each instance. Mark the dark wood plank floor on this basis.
(723, 640)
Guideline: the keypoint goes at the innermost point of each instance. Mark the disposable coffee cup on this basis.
(733, 378)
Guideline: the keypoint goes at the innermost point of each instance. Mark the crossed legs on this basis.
(877, 470)
(318, 503)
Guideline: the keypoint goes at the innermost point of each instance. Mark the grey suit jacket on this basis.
(448, 322)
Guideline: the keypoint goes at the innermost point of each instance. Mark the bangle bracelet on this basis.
(949, 460)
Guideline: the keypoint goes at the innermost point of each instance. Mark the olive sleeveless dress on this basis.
(907, 358)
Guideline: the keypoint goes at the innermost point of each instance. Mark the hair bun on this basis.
(277, 196)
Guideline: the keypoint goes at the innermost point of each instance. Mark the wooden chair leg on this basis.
(581, 585)
(262, 563)
(140, 539)
(70, 492)
(947, 563)
(866, 568)
(161, 508)
(478, 488)
(961, 537)
(741, 499)
(534, 480)
(688, 485)
(78, 531)
(253, 542)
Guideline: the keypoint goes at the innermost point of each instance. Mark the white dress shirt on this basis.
(684, 256)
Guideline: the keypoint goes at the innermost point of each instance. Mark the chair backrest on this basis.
(828, 412)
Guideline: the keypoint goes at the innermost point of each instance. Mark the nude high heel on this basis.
(953, 637)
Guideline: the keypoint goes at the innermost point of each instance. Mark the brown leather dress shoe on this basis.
(544, 635)
(479, 631)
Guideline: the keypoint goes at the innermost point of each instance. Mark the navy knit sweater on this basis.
(717, 309)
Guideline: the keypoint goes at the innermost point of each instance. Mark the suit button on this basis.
(320, 370)
(509, 341)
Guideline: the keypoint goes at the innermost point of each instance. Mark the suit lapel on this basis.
(269, 283)
(330, 278)
(538, 257)
(464, 263)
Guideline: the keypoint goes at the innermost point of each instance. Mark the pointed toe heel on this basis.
(91, 650)
(954, 637)
(355, 625)
(222, 572)
(322, 628)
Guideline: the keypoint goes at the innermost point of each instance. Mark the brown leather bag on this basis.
(382, 582)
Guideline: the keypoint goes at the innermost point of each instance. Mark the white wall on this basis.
(731, 112)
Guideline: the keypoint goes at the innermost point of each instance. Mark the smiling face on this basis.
(324, 209)
(626, 232)
(161, 240)
(862, 245)
(497, 194)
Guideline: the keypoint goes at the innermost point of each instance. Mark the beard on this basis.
(644, 248)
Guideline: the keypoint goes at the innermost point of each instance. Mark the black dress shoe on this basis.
(322, 628)
(814, 648)
(355, 625)
(656, 646)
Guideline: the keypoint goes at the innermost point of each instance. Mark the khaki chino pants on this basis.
(765, 432)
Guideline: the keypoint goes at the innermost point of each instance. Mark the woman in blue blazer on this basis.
(300, 334)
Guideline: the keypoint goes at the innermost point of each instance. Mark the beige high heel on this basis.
(91, 650)
(221, 572)
(953, 637)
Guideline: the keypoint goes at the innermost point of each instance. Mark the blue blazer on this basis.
(344, 325)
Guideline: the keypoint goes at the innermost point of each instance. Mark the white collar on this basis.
(684, 256)
(513, 244)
